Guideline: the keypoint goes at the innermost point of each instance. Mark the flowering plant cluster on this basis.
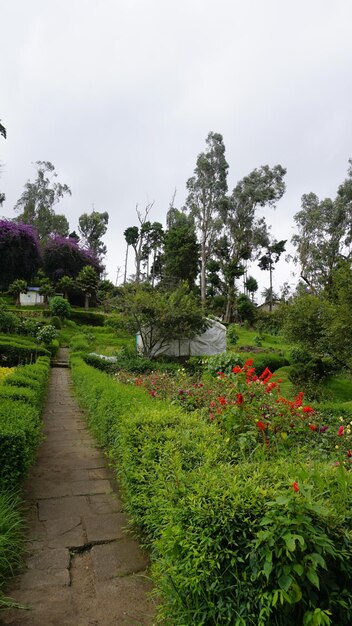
(251, 411)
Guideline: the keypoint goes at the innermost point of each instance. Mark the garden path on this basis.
(83, 568)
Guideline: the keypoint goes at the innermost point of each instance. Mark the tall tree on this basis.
(206, 193)
(154, 238)
(92, 227)
(137, 236)
(36, 204)
(181, 250)
(244, 230)
(324, 235)
(267, 261)
(87, 281)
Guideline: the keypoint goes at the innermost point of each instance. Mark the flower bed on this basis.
(241, 531)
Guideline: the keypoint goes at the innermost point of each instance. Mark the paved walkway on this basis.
(83, 568)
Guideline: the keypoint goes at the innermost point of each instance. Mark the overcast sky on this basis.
(120, 95)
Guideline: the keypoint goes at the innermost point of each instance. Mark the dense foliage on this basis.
(20, 255)
(243, 529)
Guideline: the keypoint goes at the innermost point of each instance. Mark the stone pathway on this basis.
(83, 568)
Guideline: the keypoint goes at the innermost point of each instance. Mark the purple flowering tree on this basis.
(63, 256)
(20, 256)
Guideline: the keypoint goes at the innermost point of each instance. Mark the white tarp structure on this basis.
(212, 341)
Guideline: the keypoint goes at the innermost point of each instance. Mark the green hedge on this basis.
(17, 350)
(21, 398)
(231, 544)
(87, 317)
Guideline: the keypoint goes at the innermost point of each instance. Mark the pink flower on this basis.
(341, 431)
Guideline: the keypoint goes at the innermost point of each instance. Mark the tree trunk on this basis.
(126, 258)
(271, 288)
(86, 301)
(202, 274)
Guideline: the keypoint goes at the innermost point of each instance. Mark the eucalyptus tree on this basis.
(136, 236)
(92, 227)
(36, 204)
(245, 233)
(324, 237)
(206, 193)
(268, 260)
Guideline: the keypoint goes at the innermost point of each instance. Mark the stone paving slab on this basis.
(118, 558)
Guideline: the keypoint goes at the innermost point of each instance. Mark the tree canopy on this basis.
(20, 255)
(324, 235)
(36, 204)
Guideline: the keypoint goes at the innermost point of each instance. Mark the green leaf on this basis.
(285, 582)
(313, 577)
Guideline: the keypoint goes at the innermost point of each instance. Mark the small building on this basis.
(212, 341)
(32, 297)
(266, 306)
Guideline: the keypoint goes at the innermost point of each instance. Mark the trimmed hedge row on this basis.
(87, 317)
(21, 398)
(17, 350)
(231, 544)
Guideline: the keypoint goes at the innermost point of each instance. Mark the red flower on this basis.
(248, 363)
(222, 400)
(295, 486)
(236, 369)
(239, 398)
(341, 431)
(221, 374)
(211, 417)
(298, 399)
(308, 409)
(261, 426)
(266, 375)
(349, 453)
(312, 427)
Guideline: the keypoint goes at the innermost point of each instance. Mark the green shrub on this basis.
(271, 360)
(21, 400)
(223, 362)
(266, 541)
(60, 307)
(16, 350)
(232, 334)
(87, 317)
(56, 322)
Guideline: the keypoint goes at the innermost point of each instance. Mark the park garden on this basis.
(235, 467)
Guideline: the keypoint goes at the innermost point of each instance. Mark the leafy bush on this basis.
(22, 395)
(232, 334)
(46, 334)
(8, 321)
(269, 360)
(223, 362)
(16, 350)
(56, 322)
(60, 307)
